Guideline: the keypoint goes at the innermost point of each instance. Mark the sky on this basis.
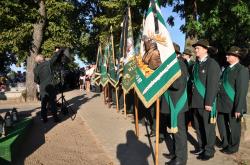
(176, 35)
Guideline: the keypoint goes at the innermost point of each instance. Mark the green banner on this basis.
(157, 64)
(129, 60)
(97, 74)
(104, 72)
(111, 65)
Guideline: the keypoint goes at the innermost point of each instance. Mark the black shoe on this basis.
(57, 120)
(228, 151)
(45, 120)
(151, 134)
(204, 157)
(197, 152)
(161, 140)
(223, 149)
(169, 156)
(174, 162)
(220, 144)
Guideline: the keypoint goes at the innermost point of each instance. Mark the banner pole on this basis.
(104, 94)
(157, 131)
(108, 90)
(136, 115)
(124, 102)
(117, 101)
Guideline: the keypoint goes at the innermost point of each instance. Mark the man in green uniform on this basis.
(173, 107)
(231, 102)
(206, 75)
(44, 77)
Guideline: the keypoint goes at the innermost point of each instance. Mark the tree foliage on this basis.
(81, 24)
(65, 26)
(223, 23)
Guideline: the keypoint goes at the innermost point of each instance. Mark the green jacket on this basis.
(237, 77)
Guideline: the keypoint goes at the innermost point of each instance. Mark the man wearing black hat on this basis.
(206, 74)
(231, 102)
(174, 101)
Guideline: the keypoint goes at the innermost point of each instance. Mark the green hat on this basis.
(176, 48)
(188, 52)
(205, 44)
(236, 51)
(202, 42)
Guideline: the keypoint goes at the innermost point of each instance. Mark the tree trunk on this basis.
(190, 9)
(36, 45)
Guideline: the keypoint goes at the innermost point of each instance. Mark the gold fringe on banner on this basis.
(174, 129)
(213, 120)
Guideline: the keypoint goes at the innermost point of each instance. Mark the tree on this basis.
(35, 47)
(26, 35)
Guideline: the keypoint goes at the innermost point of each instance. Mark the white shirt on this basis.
(232, 65)
(203, 59)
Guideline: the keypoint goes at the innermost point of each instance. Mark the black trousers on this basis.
(150, 116)
(206, 135)
(179, 139)
(230, 131)
(45, 101)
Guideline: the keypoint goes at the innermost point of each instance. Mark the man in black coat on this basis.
(231, 102)
(44, 77)
(206, 74)
(176, 95)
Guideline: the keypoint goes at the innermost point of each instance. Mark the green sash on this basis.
(202, 90)
(228, 88)
(175, 109)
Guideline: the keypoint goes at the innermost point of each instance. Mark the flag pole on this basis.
(117, 101)
(157, 131)
(124, 56)
(136, 115)
(124, 102)
(108, 90)
(104, 93)
(158, 100)
(113, 56)
(104, 86)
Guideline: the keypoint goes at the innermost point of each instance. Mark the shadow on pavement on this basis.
(133, 152)
(76, 102)
(34, 138)
(73, 105)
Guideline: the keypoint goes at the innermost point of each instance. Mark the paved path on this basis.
(109, 136)
(116, 134)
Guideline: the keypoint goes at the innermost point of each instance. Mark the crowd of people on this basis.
(11, 80)
(214, 94)
(86, 79)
